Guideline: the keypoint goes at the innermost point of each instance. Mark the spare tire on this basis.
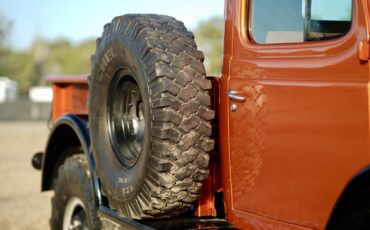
(149, 116)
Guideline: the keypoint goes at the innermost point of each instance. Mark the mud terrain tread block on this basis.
(173, 67)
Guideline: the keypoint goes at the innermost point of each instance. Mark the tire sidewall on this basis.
(72, 182)
(116, 53)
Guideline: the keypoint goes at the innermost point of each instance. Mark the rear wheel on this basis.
(73, 206)
(75, 215)
(149, 116)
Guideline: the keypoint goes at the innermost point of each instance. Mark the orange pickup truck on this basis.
(280, 141)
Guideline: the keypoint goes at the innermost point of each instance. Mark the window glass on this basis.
(323, 11)
(292, 21)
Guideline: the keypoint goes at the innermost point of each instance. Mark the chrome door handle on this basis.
(233, 95)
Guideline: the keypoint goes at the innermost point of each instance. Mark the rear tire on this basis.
(149, 116)
(73, 202)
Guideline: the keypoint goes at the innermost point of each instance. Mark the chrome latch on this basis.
(233, 95)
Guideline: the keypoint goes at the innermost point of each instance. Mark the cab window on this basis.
(294, 21)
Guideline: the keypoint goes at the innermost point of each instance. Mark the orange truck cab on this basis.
(301, 136)
(292, 120)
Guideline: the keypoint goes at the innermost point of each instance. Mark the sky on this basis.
(79, 20)
(322, 10)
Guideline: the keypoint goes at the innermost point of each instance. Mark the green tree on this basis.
(4, 51)
(209, 37)
(63, 57)
(66, 58)
(5, 26)
(29, 67)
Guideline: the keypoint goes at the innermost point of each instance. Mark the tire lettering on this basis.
(122, 180)
(108, 56)
(127, 190)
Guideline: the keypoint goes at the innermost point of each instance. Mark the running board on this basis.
(112, 220)
(118, 222)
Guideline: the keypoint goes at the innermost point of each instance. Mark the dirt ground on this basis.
(22, 205)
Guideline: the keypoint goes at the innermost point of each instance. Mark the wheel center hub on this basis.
(126, 119)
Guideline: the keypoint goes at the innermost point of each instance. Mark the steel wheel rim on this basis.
(74, 215)
(126, 121)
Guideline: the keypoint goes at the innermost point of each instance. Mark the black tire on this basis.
(73, 184)
(157, 57)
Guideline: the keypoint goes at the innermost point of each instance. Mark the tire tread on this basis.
(181, 114)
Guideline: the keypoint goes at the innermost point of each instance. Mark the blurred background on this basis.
(40, 38)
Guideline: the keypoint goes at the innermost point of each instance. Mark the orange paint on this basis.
(70, 94)
(213, 184)
(302, 134)
(70, 97)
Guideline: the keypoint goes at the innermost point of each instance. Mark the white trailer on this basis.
(8, 90)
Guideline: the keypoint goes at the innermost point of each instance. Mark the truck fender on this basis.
(352, 208)
(68, 131)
